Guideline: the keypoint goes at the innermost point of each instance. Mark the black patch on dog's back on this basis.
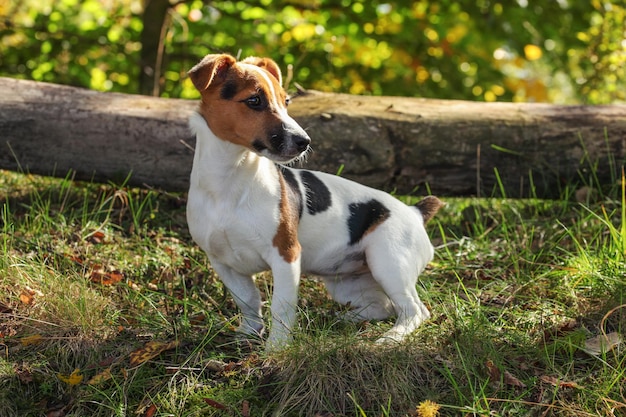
(295, 195)
(318, 198)
(364, 217)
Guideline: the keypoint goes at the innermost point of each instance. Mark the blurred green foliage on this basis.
(561, 51)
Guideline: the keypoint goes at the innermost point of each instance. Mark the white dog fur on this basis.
(250, 214)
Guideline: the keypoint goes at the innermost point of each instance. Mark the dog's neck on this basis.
(222, 168)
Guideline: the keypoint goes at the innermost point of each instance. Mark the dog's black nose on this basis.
(302, 142)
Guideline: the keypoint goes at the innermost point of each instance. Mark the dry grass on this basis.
(332, 375)
(516, 290)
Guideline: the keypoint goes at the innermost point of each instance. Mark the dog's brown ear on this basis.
(267, 64)
(212, 68)
(429, 206)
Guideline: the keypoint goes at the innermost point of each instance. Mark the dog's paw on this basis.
(277, 341)
(247, 330)
(404, 327)
(389, 338)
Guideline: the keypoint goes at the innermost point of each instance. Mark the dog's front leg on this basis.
(247, 297)
(284, 303)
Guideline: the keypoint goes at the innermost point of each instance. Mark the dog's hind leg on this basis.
(396, 271)
(246, 296)
(365, 297)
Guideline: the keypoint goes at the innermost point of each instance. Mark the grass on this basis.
(108, 309)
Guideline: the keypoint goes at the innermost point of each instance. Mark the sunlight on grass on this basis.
(91, 273)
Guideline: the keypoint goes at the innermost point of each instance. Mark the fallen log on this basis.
(410, 145)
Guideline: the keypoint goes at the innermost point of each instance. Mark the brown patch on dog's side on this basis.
(429, 206)
(286, 238)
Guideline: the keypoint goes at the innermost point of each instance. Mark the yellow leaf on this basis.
(27, 297)
(149, 351)
(31, 340)
(74, 378)
(532, 52)
(101, 377)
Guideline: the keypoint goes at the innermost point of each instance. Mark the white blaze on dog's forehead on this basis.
(270, 85)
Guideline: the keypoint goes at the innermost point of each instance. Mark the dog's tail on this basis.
(429, 206)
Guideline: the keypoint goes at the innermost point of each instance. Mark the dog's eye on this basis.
(253, 102)
(287, 101)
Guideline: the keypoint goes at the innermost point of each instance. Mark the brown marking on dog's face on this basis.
(429, 206)
(286, 238)
(244, 103)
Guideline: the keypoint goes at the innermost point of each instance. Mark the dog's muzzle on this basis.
(302, 143)
(288, 143)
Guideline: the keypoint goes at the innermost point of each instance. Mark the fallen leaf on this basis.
(214, 404)
(510, 379)
(245, 408)
(494, 298)
(75, 258)
(59, 412)
(74, 378)
(231, 366)
(31, 340)
(558, 383)
(214, 365)
(106, 278)
(507, 377)
(23, 374)
(150, 411)
(134, 286)
(197, 319)
(149, 351)
(602, 343)
(96, 237)
(101, 377)
(108, 361)
(492, 370)
(27, 296)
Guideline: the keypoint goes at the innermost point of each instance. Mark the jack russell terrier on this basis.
(250, 213)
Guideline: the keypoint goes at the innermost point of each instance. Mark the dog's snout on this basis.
(302, 142)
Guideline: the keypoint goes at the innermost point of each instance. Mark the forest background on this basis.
(561, 51)
(107, 308)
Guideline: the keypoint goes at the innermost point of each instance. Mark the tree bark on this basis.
(421, 146)
(154, 16)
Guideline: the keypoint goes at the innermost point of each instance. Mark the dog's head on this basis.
(244, 103)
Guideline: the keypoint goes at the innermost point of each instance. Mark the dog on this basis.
(250, 212)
